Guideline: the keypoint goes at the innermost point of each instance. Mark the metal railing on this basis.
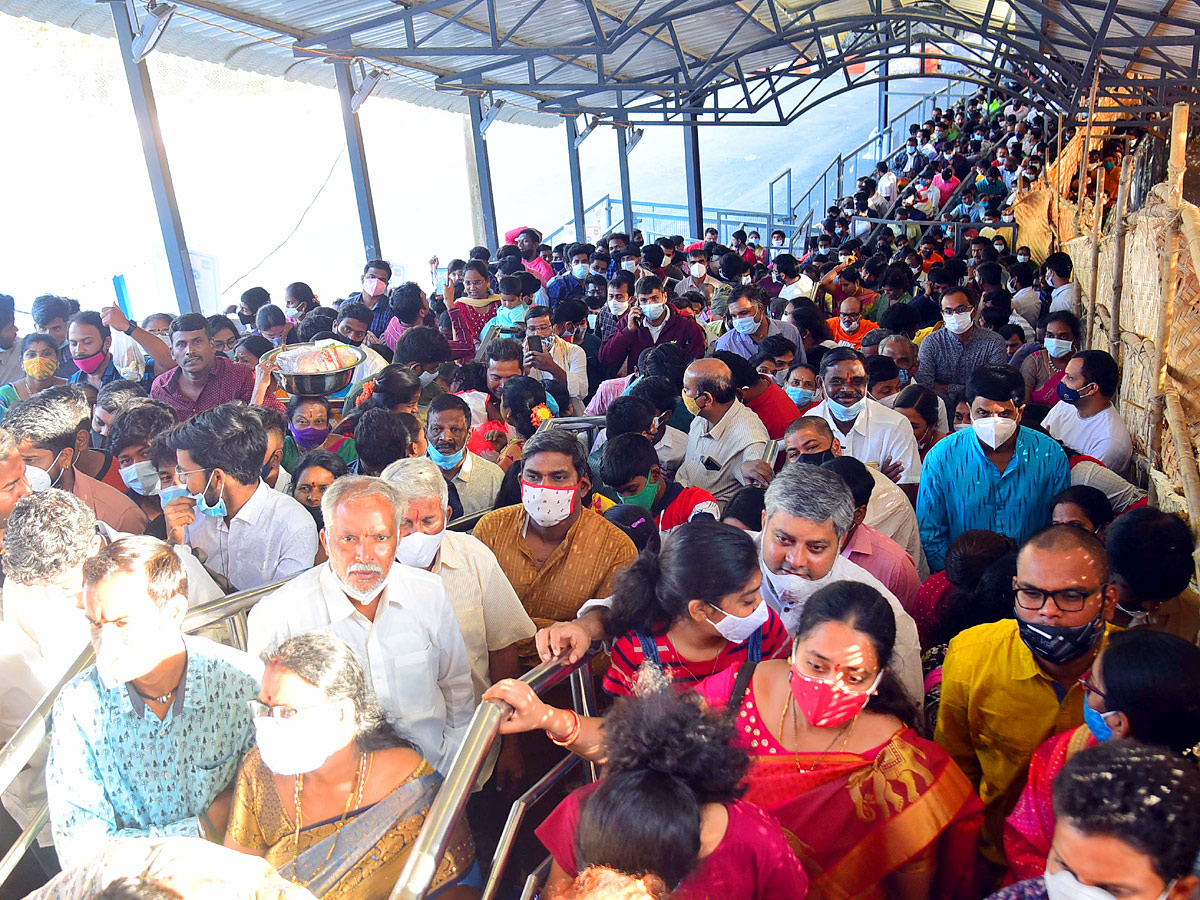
(448, 805)
(34, 732)
(451, 801)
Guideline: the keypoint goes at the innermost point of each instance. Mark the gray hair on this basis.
(140, 554)
(416, 478)
(328, 663)
(355, 487)
(47, 422)
(8, 445)
(813, 493)
(899, 340)
(558, 440)
(48, 534)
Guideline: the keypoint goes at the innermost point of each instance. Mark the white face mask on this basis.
(418, 549)
(294, 746)
(122, 659)
(957, 323)
(427, 378)
(697, 269)
(1057, 347)
(653, 311)
(618, 307)
(629, 265)
(141, 477)
(592, 319)
(738, 629)
(548, 505)
(994, 430)
(1063, 885)
(889, 401)
(360, 597)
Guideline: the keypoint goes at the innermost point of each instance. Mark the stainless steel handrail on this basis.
(35, 730)
(451, 800)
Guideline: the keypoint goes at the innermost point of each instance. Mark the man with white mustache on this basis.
(396, 617)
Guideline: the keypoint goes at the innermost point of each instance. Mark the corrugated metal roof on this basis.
(614, 57)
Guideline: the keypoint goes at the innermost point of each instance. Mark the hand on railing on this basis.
(582, 735)
(565, 641)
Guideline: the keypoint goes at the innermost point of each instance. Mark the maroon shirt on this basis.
(228, 381)
(624, 347)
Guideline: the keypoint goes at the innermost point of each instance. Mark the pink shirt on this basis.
(608, 391)
(392, 333)
(886, 560)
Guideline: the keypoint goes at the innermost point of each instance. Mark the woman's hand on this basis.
(529, 713)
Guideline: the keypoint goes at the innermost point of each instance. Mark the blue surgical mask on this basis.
(847, 413)
(443, 461)
(172, 492)
(579, 271)
(746, 325)
(801, 396)
(1096, 723)
(217, 509)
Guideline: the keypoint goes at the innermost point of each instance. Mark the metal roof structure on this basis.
(685, 61)
(630, 63)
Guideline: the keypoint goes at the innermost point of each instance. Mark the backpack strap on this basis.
(649, 647)
(740, 685)
(754, 647)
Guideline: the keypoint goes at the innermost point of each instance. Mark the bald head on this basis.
(1064, 541)
(710, 383)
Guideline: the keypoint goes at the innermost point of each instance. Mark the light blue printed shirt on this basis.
(962, 489)
(116, 771)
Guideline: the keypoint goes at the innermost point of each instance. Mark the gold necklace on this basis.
(844, 734)
(353, 801)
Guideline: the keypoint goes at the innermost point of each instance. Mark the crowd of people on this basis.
(884, 615)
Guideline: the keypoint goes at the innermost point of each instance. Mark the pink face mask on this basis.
(827, 704)
(89, 364)
(373, 286)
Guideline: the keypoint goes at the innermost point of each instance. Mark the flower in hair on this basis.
(540, 414)
(367, 391)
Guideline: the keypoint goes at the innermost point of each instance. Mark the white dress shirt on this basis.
(572, 360)
(739, 436)
(270, 538)
(1027, 304)
(789, 603)
(477, 482)
(413, 653)
(24, 679)
(891, 513)
(878, 434)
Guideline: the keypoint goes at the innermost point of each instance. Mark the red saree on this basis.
(858, 818)
(1029, 828)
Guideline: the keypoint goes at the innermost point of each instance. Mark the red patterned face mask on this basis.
(828, 704)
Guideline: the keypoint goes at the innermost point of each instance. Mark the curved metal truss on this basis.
(764, 61)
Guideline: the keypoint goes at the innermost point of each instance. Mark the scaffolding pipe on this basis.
(1097, 219)
(576, 179)
(357, 153)
(1083, 153)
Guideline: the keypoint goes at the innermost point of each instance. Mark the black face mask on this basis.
(266, 471)
(817, 459)
(1059, 644)
(246, 318)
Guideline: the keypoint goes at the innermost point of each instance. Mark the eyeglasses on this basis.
(851, 317)
(1067, 599)
(181, 474)
(260, 710)
(1085, 682)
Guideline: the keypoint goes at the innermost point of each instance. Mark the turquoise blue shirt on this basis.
(961, 489)
(116, 771)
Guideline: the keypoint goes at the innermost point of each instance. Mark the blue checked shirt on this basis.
(116, 771)
(962, 489)
(112, 373)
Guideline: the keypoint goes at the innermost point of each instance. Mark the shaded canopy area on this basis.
(688, 61)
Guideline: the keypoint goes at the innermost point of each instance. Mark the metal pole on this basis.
(161, 185)
(691, 174)
(623, 169)
(486, 200)
(1087, 143)
(883, 112)
(1097, 219)
(576, 181)
(358, 162)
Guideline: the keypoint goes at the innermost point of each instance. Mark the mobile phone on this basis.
(535, 344)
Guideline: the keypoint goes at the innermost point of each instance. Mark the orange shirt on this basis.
(849, 340)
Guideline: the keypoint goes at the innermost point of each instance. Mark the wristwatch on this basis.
(130, 329)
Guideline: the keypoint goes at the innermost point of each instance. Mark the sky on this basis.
(264, 186)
